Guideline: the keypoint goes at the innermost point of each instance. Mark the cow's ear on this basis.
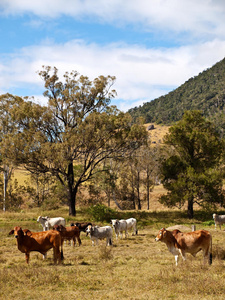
(11, 232)
(27, 232)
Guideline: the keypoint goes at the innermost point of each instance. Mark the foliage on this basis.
(74, 134)
(204, 92)
(192, 173)
(101, 213)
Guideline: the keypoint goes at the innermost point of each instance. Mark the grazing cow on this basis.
(43, 241)
(68, 234)
(190, 242)
(119, 226)
(47, 222)
(219, 220)
(81, 226)
(132, 224)
(99, 233)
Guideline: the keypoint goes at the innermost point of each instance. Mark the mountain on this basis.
(205, 92)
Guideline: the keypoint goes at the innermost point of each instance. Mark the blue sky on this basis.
(151, 46)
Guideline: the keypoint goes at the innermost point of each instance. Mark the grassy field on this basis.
(133, 268)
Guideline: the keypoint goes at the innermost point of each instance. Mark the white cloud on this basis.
(141, 73)
(200, 18)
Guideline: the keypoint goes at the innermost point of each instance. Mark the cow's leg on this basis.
(183, 255)
(176, 259)
(79, 240)
(27, 256)
(207, 256)
(57, 255)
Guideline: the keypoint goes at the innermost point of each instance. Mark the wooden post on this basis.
(193, 227)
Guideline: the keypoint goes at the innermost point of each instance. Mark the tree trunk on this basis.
(138, 191)
(72, 202)
(148, 188)
(190, 208)
(72, 190)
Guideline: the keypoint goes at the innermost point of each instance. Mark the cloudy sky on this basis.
(151, 46)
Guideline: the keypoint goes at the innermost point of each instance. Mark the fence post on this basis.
(193, 227)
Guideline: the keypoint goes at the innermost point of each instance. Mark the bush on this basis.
(101, 213)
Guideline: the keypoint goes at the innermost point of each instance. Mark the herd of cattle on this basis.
(177, 242)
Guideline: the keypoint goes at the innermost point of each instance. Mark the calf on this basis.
(28, 241)
(68, 233)
(219, 220)
(99, 233)
(47, 222)
(132, 224)
(119, 226)
(191, 242)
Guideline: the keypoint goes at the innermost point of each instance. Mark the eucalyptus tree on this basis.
(8, 127)
(76, 132)
(193, 173)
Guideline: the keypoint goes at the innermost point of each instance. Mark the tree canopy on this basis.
(192, 173)
(75, 133)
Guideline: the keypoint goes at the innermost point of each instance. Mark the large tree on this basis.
(8, 126)
(192, 173)
(75, 133)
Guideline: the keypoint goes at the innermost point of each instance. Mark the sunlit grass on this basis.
(133, 268)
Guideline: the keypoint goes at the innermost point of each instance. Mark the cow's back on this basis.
(194, 241)
(102, 232)
(43, 241)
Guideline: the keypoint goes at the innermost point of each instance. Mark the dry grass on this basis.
(134, 268)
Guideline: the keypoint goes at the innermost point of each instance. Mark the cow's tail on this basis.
(210, 253)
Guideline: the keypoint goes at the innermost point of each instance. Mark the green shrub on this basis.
(101, 213)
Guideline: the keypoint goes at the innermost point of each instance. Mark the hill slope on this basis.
(205, 92)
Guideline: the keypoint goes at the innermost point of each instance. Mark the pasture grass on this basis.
(133, 268)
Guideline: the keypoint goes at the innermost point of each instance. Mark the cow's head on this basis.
(89, 229)
(114, 222)
(161, 235)
(59, 227)
(17, 231)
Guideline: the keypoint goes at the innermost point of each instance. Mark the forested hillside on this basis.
(205, 92)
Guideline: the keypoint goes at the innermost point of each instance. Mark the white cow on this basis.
(47, 222)
(99, 233)
(119, 226)
(219, 220)
(132, 224)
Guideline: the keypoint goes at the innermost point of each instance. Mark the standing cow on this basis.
(99, 233)
(48, 223)
(190, 242)
(43, 241)
(119, 226)
(219, 220)
(132, 224)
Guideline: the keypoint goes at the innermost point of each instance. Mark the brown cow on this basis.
(68, 233)
(43, 241)
(191, 242)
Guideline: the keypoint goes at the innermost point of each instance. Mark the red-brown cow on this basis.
(68, 233)
(43, 241)
(191, 242)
